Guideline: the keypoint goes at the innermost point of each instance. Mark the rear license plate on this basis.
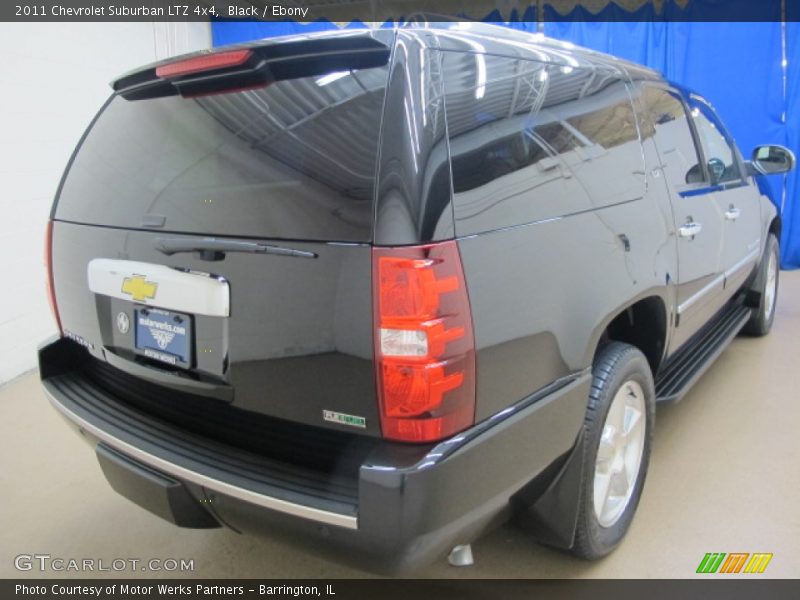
(164, 335)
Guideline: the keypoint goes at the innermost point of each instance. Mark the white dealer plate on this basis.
(159, 285)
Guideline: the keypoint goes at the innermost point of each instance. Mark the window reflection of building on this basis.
(538, 142)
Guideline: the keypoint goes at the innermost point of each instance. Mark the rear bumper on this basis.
(406, 506)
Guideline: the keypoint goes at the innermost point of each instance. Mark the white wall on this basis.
(53, 78)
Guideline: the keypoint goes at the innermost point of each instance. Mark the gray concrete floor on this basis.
(724, 477)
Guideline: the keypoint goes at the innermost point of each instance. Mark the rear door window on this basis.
(294, 160)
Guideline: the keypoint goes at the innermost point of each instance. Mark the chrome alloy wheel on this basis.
(619, 456)
(771, 287)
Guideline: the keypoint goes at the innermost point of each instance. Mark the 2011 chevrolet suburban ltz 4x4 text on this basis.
(379, 290)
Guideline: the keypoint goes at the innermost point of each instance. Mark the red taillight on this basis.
(206, 62)
(424, 346)
(48, 265)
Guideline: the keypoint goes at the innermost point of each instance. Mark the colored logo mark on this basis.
(735, 562)
(138, 287)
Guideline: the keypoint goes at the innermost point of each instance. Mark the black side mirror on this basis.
(772, 159)
(716, 168)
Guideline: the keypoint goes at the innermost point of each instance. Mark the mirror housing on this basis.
(772, 159)
(716, 169)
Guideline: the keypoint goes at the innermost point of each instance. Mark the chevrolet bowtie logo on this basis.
(139, 288)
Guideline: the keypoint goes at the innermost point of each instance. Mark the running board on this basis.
(699, 354)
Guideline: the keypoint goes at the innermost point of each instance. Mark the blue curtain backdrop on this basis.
(791, 218)
(736, 65)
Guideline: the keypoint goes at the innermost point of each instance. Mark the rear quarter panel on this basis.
(542, 294)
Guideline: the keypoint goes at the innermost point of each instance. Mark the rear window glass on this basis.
(294, 160)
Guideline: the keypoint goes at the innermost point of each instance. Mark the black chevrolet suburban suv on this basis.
(376, 291)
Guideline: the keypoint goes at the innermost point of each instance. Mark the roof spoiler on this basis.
(251, 65)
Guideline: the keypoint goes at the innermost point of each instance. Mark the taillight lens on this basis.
(48, 265)
(424, 345)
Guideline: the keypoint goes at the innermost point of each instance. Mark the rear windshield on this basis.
(294, 160)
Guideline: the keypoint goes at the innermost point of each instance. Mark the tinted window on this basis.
(717, 146)
(520, 150)
(530, 141)
(666, 119)
(295, 160)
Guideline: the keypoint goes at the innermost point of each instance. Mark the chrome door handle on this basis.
(732, 213)
(690, 229)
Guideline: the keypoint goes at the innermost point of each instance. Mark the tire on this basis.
(766, 287)
(621, 373)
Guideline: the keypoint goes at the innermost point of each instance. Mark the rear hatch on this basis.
(212, 234)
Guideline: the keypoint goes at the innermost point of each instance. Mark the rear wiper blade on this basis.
(213, 249)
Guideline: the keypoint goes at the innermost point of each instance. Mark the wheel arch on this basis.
(775, 227)
(643, 323)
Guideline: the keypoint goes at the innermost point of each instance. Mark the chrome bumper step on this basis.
(216, 467)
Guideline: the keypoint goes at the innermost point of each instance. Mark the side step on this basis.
(699, 354)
